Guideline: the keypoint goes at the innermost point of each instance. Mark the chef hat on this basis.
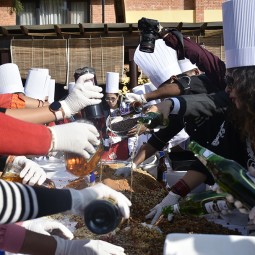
(239, 32)
(160, 65)
(10, 79)
(37, 83)
(143, 89)
(112, 82)
(186, 65)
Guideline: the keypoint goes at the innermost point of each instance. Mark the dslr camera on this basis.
(149, 33)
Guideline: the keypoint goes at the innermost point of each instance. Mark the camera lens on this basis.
(147, 43)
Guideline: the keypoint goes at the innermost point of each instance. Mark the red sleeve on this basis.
(22, 138)
(205, 60)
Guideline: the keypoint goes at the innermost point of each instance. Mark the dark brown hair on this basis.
(244, 83)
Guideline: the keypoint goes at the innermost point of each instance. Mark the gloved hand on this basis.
(78, 138)
(81, 198)
(46, 227)
(82, 95)
(86, 247)
(238, 204)
(30, 171)
(252, 215)
(155, 212)
(125, 171)
(131, 97)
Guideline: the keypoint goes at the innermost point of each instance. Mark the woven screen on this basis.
(104, 54)
(214, 44)
(41, 53)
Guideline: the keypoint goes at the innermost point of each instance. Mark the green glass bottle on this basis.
(228, 174)
(153, 120)
(199, 204)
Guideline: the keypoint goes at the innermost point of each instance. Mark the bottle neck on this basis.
(203, 154)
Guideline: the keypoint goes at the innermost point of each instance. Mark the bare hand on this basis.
(133, 131)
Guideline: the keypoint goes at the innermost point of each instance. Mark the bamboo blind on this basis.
(41, 53)
(104, 54)
(214, 43)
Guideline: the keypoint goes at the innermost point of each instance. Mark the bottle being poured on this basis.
(153, 120)
(131, 108)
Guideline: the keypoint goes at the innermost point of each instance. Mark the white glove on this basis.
(252, 215)
(86, 247)
(77, 137)
(125, 171)
(155, 212)
(30, 171)
(238, 204)
(82, 95)
(130, 97)
(81, 198)
(46, 227)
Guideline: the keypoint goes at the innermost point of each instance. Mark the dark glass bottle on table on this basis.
(228, 174)
(199, 204)
(102, 216)
(161, 169)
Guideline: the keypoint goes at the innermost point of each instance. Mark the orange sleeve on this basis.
(22, 138)
(11, 101)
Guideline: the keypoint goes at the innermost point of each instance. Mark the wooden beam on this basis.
(57, 30)
(24, 30)
(4, 31)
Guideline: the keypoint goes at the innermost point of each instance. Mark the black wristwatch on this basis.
(56, 108)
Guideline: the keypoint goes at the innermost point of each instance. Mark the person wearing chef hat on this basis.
(117, 145)
(171, 77)
(14, 95)
(236, 137)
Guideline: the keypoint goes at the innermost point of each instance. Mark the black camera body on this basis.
(149, 32)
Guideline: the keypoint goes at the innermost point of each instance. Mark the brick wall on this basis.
(136, 5)
(6, 18)
(201, 5)
(139, 5)
(96, 11)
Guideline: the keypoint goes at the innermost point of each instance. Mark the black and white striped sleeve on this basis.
(20, 202)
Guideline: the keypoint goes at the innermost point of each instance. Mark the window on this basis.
(43, 12)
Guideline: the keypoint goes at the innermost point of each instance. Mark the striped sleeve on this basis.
(20, 202)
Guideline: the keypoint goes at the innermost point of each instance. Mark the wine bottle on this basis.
(102, 216)
(153, 120)
(79, 166)
(228, 174)
(199, 204)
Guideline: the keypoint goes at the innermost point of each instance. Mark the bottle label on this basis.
(106, 142)
(216, 206)
(205, 155)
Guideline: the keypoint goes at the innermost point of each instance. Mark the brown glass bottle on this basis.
(12, 176)
(161, 169)
(79, 166)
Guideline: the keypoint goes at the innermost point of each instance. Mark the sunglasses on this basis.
(229, 81)
(112, 99)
